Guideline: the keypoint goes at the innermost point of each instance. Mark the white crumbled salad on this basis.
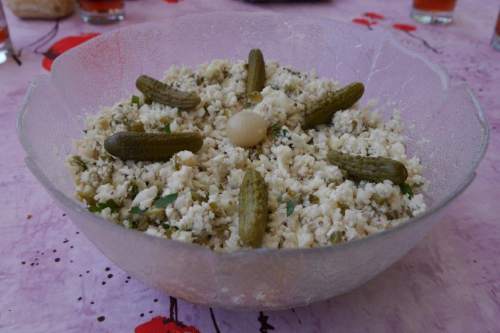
(194, 196)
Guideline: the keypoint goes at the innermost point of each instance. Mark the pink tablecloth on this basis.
(53, 280)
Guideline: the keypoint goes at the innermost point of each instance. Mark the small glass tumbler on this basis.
(433, 11)
(5, 46)
(495, 41)
(102, 11)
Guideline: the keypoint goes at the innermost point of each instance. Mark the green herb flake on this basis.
(336, 237)
(137, 210)
(141, 225)
(136, 100)
(133, 190)
(197, 197)
(275, 130)
(95, 208)
(99, 207)
(165, 201)
(167, 226)
(290, 207)
(406, 189)
(314, 199)
(77, 160)
(166, 129)
(169, 229)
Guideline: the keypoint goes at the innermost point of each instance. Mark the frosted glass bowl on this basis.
(445, 126)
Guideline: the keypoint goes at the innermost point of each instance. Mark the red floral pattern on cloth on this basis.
(371, 18)
(164, 325)
(368, 19)
(62, 46)
(374, 16)
(362, 21)
(404, 27)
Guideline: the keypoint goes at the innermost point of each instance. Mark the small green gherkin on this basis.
(159, 92)
(256, 72)
(372, 169)
(139, 146)
(253, 210)
(322, 111)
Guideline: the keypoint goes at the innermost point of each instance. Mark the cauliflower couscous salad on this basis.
(246, 154)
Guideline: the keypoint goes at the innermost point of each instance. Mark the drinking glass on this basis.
(102, 11)
(433, 11)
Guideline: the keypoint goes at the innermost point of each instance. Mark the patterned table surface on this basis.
(52, 279)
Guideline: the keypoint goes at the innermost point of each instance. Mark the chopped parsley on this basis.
(165, 201)
(137, 210)
(406, 189)
(99, 207)
(313, 199)
(79, 162)
(275, 130)
(337, 237)
(197, 197)
(166, 226)
(169, 229)
(290, 207)
(166, 129)
(136, 100)
(141, 225)
(133, 190)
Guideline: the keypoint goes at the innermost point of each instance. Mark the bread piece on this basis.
(41, 9)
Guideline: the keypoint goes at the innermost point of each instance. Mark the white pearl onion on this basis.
(246, 128)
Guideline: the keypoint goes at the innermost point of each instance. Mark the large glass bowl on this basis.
(445, 126)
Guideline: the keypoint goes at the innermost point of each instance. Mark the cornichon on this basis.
(372, 169)
(256, 72)
(253, 214)
(162, 93)
(322, 111)
(137, 146)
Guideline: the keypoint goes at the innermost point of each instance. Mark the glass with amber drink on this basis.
(102, 11)
(433, 11)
